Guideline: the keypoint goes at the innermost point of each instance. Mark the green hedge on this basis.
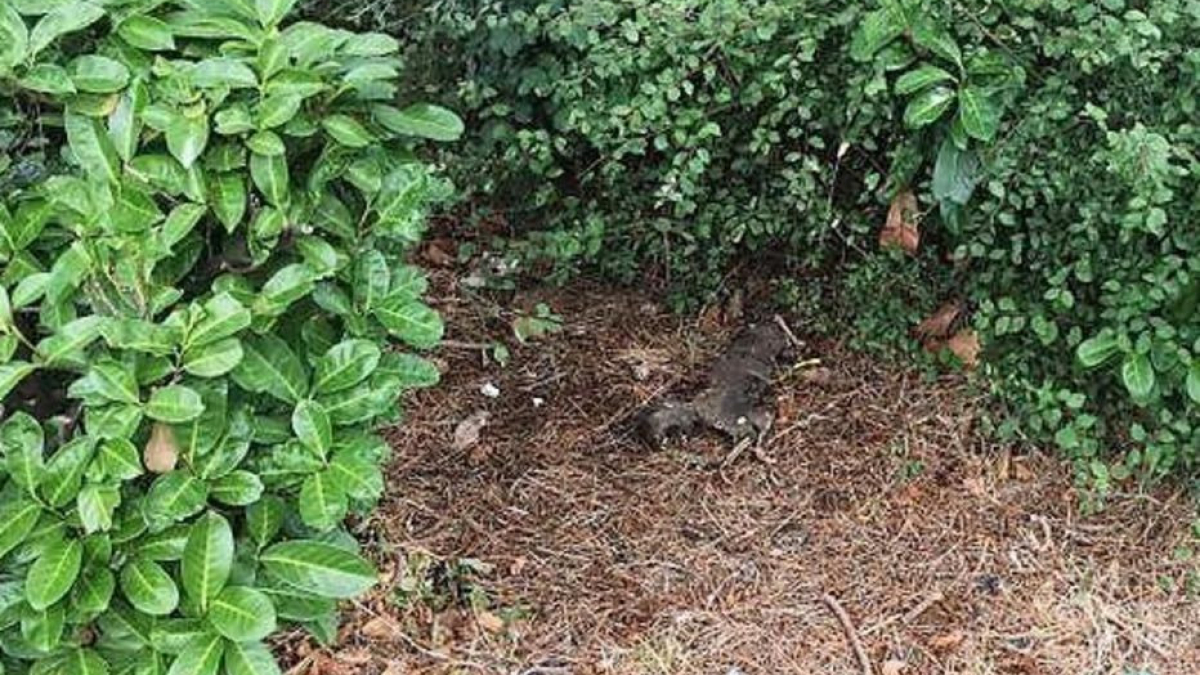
(205, 313)
(1051, 145)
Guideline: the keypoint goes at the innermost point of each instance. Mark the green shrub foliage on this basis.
(203, 273)
(1051, 145)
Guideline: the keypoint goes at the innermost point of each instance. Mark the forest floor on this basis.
(527, 531)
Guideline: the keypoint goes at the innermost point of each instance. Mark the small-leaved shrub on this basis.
(1050, 144)
(200, 285)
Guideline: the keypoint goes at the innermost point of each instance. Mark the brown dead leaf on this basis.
(440, 252)
(948, 641)
(381, 628)
(395, 668)
(355, 656)
(893, 667)
(941, 323)
(466, 434)
(161, 452)
(965, 345)
(489, 622)
(902, 225)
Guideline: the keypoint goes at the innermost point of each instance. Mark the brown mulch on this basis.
(874, 494)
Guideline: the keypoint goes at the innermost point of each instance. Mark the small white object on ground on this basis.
(490, 390)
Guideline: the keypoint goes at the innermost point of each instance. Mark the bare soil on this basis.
(873, 496)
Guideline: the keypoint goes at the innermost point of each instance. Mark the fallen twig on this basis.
(851, 633)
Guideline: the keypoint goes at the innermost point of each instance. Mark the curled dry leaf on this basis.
(893, 667)
(941, 323)
(965, 345)
(949, 641)
(161, 452)
(466, 434)
(902, 228)
(490, 622)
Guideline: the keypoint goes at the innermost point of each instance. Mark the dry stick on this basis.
(852, 634)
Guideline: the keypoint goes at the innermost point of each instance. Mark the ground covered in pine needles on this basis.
(527, 530)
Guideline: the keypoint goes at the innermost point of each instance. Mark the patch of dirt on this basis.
(597, 555)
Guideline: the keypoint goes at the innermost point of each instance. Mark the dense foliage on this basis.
(203, 232)
(1050, 144)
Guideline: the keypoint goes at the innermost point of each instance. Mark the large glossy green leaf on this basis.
(413, 322)
(921, 78)
(955, 174)
(213, 360)
(224, 316)
(114, 381)
(92, 147)
(53, 573)
(1096, 350)
(357, 477)
(93, 592)
(271, 12)
(43, 629)
(82, 662)
(1192, 384)
(12, 373)
(15, 37)
(118, 459)
(249, 658)
(422, 120)
(876, 31)
(322, 502)
(310, 422)
(928, 107)
(319, 568)
(223, 72)
(17, 519)
(227, 195)
(242, 614)
(187, 137)
(148, 587)
(96, 504)
(48, 78)
(278, 109)
(64, 471)
(345, 365)
(348, 131)
(929, 33)
(1138, 375)
(174, 404)
(237, 488)
(176, 495)
(98, 74)
(67, 17)
(22, 440)
(147, 32)
(286, 286)
(980, 114)
(124, 123)
(269, 365)
(270, 175)
(264, 519)
(207, 559)
(202, 656)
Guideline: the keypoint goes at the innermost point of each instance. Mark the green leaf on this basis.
(233, 120)
(213, 360)
(286, 286)
(14, 35)
(270, 366)
(114, 381)
(266, 143)
(242, 614)
(928, 33)
(1096, 350)
(224, 316)
(413, 322)
(955, 174)
(148, 33)
(421, 120)
(928, 107)
(1193, 381)
(227, 195)
(372, 279)
(345, 365)
(278, 109)
(311, 424)
(249, 658)
(187, 137)
(93, 592)
(82, 662)
(180, 222)
(12, 373)
(22, 439)
(223, 72)
(1138, 375)
(92, 148)
(319, 568)
(48, 78)
(920, 79)
(207, 559)
(64, 471)
(175, 404)
(65, 18)
(124, 124)
(119, 459)
(43, 629)
(175, 496)
(202, 656)
(167, 545)
(53, 573)
(148, 587)
(96, 504)
(347, 131)
(877, 30)
(99, 74)
(237, 488)
(270, 175)
(271, 12)
(979, 114)
(264, 519)
(17, 519)
(359, 478)
(322, 502)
